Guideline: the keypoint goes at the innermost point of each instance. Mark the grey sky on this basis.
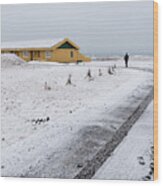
(101, 28)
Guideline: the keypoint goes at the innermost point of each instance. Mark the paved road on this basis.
(106, 151)
(133, 157)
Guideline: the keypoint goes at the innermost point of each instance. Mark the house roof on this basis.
(36, 44)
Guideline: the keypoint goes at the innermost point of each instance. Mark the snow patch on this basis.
(10, 60)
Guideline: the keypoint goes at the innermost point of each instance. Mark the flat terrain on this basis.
(54, 132)
(133, 159)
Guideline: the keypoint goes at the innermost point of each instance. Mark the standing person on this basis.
(126, 58)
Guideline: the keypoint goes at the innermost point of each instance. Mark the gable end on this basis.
(66, 45)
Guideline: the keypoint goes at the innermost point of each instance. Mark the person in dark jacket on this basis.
(126, 58)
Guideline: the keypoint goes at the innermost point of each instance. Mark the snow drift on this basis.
(10, 60)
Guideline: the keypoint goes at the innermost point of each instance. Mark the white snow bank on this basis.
(10, 60)
(42, 63)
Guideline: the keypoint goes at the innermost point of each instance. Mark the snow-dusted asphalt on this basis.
(133, 158)
(106, 150)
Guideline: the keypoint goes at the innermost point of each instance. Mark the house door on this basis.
(31, 55)
(34, 55)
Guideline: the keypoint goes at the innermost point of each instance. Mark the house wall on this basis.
(82, 57)
(57, 55)
(34, 55)
(42, 56)
(23, 57)
(64, 55)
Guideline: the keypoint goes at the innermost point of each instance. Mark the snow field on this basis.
(28, 144)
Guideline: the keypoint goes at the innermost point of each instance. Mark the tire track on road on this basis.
(88, 171)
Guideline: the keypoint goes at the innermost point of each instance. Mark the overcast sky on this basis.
(101, 28)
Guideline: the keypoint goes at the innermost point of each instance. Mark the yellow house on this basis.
(59, 50)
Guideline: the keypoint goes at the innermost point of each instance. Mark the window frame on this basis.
(48, 54)
(25, 53)
(72, 54)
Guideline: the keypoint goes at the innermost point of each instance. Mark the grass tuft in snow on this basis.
(110, 71)
(69, 80)
(99, 72)
(46, 87)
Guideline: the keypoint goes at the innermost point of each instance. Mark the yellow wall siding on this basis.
(57, 54)
(64, 55)
(82, 57)
(42, 56)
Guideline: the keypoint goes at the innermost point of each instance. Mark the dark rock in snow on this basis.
(3, 139)
(79, 165)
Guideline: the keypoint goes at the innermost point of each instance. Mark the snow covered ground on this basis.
(38, 124)
(133, 159)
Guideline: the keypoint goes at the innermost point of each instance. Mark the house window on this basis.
(25, 54)
(48, 54)
(71, 54)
